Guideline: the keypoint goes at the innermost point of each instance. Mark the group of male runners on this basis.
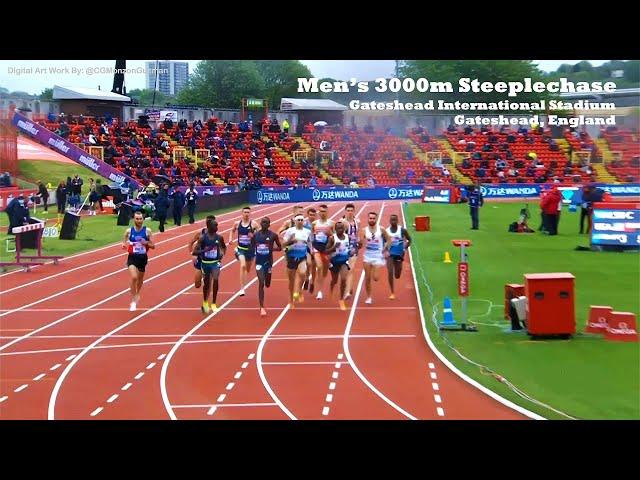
(314, 246)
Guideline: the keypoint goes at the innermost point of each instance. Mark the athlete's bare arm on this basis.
(149, 242)
(405, 234)
(193, 242)
(276, 240)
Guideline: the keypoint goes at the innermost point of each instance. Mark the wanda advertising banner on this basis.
(463, 279)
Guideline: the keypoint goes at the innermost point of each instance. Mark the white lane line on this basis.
(354, 367)
(57, 365)
(151, 365)
(112, 398)
(139, 376)
(36, 378)
(227, 405)
(259, 363)
(245, 365)
(443, 359)
(332, 386)
(431, 365)
(78, 312)
(325, 411)
(433, 375)
(70, 357)
(97, 411)
(126, 387)
(340, 355)
(230, 385)
(21, 387)
(221, 398)
(2, 399)
(329, 398)
(437, 398)
(440, 411)
(237, 375)
(435, 386)
(163, 374)
(334, 375)
(186, 342)
(336, 364)
(212, 410)
(64, 272)
(162, 356)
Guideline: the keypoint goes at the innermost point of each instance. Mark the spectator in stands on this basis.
(5, 180)
(468, 130)
(426, 174)
(446, 172)
(466, 163)
(480, 172)
(452, 128)
(313, 182)
(368, 128)
(285, 126)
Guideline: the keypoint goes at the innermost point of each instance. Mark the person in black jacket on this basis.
(162, 205)
(61, 197)
(43, 193)
(178, 204)
(192, 198)
(18, 213)
(475, 202)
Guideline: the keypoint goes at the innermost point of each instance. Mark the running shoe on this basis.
(368, 301)
(343, 306)
(205, 307)
(319, 296)
(132, 307)
(263, 312)
(392, 296)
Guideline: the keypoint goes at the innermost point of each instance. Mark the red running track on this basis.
(82, 355)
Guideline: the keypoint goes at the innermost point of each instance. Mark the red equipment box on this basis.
(550, 303)
(423, 223)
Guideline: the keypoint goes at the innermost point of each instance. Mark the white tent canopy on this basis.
(79, 93)
(310, 104)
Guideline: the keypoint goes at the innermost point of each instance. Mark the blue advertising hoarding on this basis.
(616, 226)
(435, 193)
(278, 195)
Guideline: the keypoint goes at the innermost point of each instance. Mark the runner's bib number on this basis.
(138, 248)
(262, 249)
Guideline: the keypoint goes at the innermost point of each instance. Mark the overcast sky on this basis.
(13, 78)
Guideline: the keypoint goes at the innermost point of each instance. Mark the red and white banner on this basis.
(463, 279)
(107, 204)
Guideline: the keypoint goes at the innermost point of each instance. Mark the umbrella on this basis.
(160, 179)
(320, 123)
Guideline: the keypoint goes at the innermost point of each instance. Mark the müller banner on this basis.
(69, 150)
